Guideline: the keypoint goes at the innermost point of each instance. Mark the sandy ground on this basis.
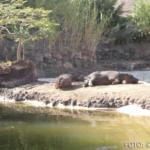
(122, 91)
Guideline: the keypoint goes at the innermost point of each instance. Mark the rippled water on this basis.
(24, 127)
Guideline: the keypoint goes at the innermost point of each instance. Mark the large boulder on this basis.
(63, 81)
(19, 73)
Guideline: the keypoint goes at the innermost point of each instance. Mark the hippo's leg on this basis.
(116, 81)
(91, 80)
(85, 84)
(90, 83)
(124, 82)
(86, 81)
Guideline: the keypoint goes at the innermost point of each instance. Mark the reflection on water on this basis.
(23, 127)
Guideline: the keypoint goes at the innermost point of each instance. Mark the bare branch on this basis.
(4, 28)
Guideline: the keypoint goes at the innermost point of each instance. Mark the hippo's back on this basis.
(111, 75)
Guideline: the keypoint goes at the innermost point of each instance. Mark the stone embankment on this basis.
(112, 96)
(18, 73)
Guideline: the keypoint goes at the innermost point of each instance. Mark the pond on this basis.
(25, 127)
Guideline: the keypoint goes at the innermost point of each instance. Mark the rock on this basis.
(147, 106)
(63, 81)
(65, 102)
(85, 57)
(93, 102)
(77, 63)
(67, 65)
(74, 102)
(111, 104)
(85, 63)
(118, 105)
(65, 58)
(47, 102)
(132, 101)
(95, 105)
(55, 102)
(88, 104)
(21, 64)
(147, 102)
(78, 55)
(64, 52)
(143, 106)
(59, 56)
(103, 105)
(79, 103)
(53, 61)
(48, 55)
(119, 101)
(39, 57)
(101, 101)
(72, 54)
(59, 64)
(5, 70)
(24, 72)
(125, 103)
(111, 100)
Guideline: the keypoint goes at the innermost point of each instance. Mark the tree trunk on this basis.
(23, 50)
(5, 49)
(19, 49)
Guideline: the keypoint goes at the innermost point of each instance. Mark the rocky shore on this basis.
(112, 96)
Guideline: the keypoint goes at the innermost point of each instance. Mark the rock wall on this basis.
(59, 57)
(132, 51)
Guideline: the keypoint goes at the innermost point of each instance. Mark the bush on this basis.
(107, 8)
(139, 21)
(141, 15)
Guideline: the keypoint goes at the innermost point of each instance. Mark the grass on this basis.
(6, 63)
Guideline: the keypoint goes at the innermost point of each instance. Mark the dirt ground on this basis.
(120, 91)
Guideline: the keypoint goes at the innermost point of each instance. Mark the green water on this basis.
(24, 127)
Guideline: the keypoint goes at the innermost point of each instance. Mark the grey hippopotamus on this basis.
(108, 77)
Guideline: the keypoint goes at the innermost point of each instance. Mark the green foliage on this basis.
(138, 23)
(13, 49)
(8, 63)
(107, 8)
(32, 46)
(86, 21)
(141, 15)
(21, 20)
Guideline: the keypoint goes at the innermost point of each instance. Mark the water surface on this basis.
(24, 127)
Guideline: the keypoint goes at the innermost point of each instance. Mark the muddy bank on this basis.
(112, 96)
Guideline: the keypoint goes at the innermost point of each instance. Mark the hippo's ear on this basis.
(129, 74)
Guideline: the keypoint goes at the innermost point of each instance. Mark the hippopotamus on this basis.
(108, 77)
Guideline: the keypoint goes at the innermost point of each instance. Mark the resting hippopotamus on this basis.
(108, 77)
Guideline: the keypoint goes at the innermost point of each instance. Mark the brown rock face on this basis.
(5, 70)
(63, 81)
(20, 73)
(67, 65)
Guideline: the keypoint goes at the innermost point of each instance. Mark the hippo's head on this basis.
(86, 81)
(131, 79)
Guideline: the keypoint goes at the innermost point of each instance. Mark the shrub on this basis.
(141, 15)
